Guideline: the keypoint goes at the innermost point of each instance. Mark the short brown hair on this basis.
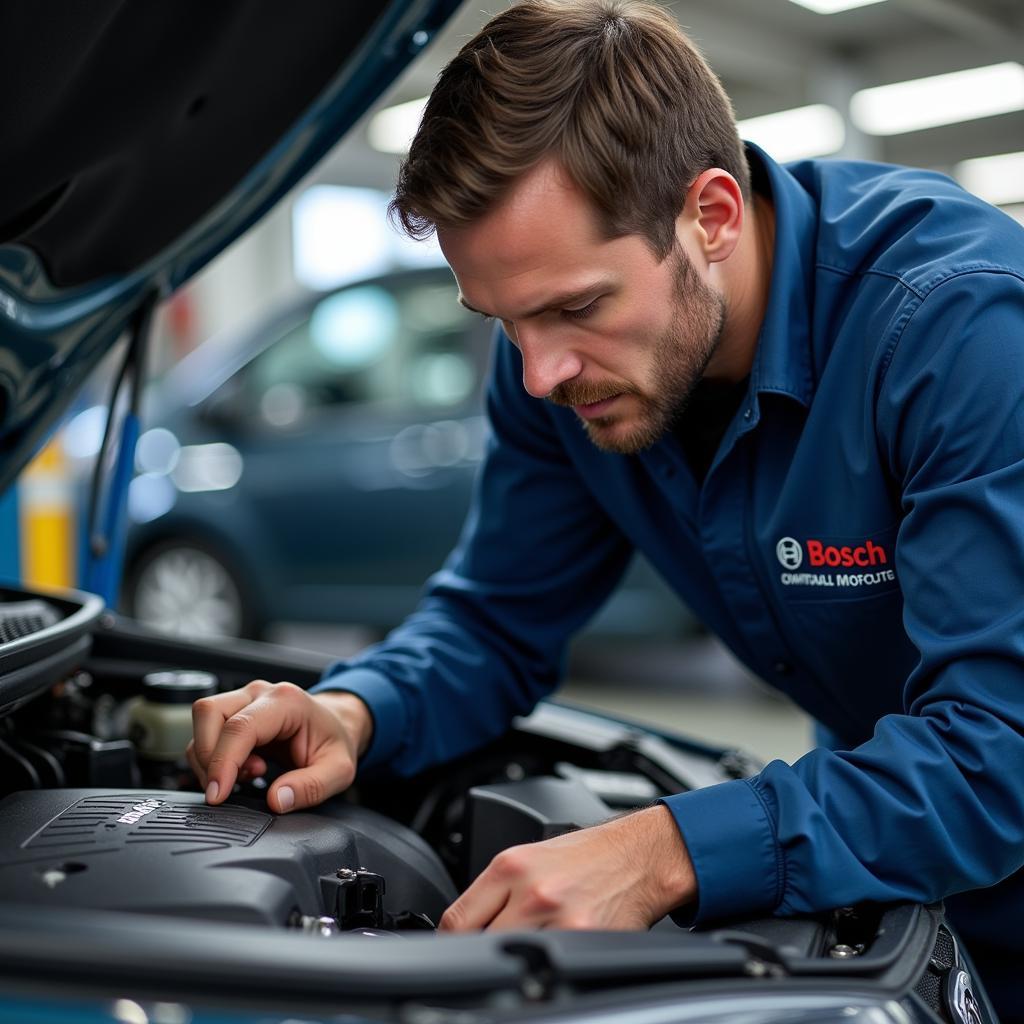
(612, 89)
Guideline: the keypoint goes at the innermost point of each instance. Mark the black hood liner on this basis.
(124, 121)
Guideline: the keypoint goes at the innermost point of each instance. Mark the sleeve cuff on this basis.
(383, 699)
(736, 858)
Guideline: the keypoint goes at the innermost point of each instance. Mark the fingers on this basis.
(306, 787)
(255, 716)
(483, 901)
(253, 768)
(473, 912)
(210, 713)
(622, 874)
(231, 726)
(566, 882)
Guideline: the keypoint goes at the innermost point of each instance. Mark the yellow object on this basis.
(46, 520)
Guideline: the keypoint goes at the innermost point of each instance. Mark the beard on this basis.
(680, 357)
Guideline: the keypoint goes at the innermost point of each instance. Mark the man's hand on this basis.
(322, 736)
(624, 874)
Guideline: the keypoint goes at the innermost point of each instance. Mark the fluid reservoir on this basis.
(161, 719)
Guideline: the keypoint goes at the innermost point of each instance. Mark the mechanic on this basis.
(797, 390)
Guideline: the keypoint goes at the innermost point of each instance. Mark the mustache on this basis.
(570, 393)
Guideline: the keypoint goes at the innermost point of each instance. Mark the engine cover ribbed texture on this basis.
(169, 853)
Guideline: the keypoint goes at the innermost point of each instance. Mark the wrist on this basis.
(673, 881)
(353, 713)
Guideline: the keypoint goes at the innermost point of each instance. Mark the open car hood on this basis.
(139, 141)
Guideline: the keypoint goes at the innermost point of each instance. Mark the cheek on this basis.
(632, 334)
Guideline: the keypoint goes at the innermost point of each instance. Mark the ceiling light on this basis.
(833, 6)
(941, 99)
(325, 214)
(797, 134)
(997, 179)
(391, 129)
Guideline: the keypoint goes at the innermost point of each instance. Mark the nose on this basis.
(547, 362)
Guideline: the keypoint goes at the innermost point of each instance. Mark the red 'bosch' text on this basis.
(825, 554)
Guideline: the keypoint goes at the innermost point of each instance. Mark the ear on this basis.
(712, 214)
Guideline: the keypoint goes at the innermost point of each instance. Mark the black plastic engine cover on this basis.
(149, 851)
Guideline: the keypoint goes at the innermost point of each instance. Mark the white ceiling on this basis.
(774, 55)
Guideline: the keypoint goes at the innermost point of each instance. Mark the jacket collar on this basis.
(782, 361)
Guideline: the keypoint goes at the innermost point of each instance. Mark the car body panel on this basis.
(52, 336)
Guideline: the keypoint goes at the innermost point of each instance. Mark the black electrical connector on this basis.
(355, 898)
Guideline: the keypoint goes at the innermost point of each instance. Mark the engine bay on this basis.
(104, 833)
(99, 809)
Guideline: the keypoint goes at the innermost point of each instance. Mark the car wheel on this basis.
(181, 588)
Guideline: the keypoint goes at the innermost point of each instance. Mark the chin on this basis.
(619, 436)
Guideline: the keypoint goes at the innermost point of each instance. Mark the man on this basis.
(797, 390)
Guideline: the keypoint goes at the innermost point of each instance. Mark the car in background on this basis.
(317, 466)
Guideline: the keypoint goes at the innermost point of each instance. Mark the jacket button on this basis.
(783, 668)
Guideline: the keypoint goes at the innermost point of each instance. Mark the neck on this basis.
(746, 282)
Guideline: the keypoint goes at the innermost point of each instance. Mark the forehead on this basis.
(544, 214)
(544, 237)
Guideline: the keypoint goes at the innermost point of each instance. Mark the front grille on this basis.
(943, 958)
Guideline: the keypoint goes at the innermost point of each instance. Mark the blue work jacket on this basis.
(858, 542)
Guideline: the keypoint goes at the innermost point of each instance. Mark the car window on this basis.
(402, 344)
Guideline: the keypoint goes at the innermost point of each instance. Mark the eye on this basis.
(582, 313)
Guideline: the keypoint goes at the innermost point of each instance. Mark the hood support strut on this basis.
(112, 474)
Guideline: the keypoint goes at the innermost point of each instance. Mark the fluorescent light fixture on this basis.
(339, 234)
(391, 129)
(833, 6)
(940, 99)
(342, 234)
(997, 179)
(797, 134)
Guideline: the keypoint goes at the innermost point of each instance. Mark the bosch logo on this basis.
(789, 553)
(862, 555)
(815, 555)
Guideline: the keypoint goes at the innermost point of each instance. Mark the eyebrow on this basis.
(557, 302)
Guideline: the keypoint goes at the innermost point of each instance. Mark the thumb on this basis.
(309, 786)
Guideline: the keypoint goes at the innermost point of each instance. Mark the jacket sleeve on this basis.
(933, 803)
(536, 557)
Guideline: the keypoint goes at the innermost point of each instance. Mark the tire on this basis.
(188, 590)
